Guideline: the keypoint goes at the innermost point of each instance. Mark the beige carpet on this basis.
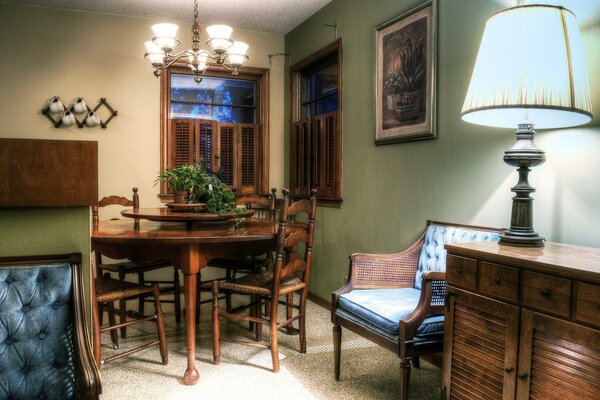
(368, 371)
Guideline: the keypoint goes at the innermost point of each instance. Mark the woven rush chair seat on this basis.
(261, 283)
(108, 291)
(290, 273)
(138, 269)
(113, 289)
(397, 300)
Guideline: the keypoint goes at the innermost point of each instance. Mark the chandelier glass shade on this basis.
(224, 52)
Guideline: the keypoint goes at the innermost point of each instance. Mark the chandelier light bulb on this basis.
(155, 55)
(219, 37)
(165, 36)
(237, 53)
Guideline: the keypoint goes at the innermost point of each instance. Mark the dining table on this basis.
(187, 240)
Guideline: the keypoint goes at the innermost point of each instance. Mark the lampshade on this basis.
(530, 68)
(237, 53)
(219, 37)
(165, 35)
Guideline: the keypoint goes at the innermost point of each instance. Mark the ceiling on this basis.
(279, 16)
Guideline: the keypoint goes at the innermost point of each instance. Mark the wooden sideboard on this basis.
(522, 322)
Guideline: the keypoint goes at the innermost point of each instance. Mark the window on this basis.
(223, 120)
(316, 134)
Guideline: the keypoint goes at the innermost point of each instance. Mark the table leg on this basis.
(191, 375)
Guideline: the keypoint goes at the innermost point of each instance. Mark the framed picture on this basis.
(405, 76)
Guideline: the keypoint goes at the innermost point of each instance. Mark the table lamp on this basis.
(530, 69)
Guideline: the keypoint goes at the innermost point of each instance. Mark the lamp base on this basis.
(521, 239)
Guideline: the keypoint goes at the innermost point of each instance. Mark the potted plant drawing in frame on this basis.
(405, 76)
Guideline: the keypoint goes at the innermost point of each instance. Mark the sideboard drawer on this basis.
(587, 308)
(546, 292)
(461, 271)
(499, 280)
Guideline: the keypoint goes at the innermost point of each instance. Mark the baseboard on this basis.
(319, 301)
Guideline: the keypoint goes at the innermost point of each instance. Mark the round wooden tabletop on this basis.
(168, 215)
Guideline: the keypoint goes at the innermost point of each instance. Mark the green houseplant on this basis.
(200, 186)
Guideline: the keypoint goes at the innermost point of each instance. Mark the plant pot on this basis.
(180, 197)
(409, 106)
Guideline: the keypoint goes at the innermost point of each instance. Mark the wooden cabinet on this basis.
(522, 323)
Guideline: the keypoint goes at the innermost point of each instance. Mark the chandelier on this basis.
(225, 52)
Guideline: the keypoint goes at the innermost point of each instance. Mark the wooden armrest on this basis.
(434, 276)
(411, 322)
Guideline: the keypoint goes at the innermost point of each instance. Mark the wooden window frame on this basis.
(334, 196)
(262, 78)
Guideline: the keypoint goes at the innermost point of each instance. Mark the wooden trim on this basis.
(261, 76)
(296, 70)
(326, 304)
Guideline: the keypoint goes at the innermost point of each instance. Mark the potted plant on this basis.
(411, 80)
(181, 181)
(195, 184)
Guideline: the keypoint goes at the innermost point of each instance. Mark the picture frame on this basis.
(405, 72)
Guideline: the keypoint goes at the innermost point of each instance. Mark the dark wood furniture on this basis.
(522, 322)
(43, 307)
(108, 291)
(190, 250)
(48, 173)
(290, 274)
(124, 268)
(397, 300)
(264, 206)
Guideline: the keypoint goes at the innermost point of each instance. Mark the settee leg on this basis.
(337, 349)
(404, 379)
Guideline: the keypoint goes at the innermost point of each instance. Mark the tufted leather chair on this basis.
(45, 352)
(397, 300)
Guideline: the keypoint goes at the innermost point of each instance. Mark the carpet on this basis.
(367, 371)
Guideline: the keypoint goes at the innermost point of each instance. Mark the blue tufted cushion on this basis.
(433, 253)
(36, 348)
(380, 310)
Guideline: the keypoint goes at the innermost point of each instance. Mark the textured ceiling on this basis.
(256, 15)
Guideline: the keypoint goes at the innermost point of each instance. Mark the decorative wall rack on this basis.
(79, 113)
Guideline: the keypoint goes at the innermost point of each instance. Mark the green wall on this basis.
(391, 190)
(45, 231)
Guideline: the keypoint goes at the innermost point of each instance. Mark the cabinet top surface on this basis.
(557, 258)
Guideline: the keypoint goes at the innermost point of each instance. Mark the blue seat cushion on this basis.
(383, 308)
(380, 310)
(433, 253)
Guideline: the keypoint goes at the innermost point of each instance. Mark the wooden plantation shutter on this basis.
(248, 156)
(227, 153)
(181, 146)
(327, 156)
(300, 158)
(230, 149)
(206, 144)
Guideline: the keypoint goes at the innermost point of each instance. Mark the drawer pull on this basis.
(545, 292)
(509, 370)
(459, 270)
(497, 281)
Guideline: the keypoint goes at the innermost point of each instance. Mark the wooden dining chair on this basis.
(264, 206)
(138, 269)
(107, 292)
(290, 273)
